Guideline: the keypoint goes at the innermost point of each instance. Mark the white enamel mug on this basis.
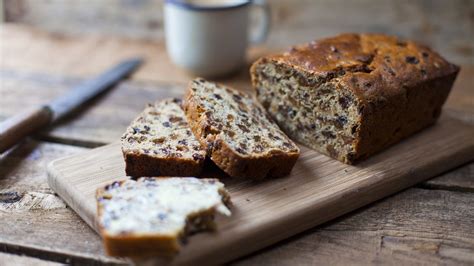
(209, 38)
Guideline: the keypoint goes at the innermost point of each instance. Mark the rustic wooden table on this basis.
(430, 223)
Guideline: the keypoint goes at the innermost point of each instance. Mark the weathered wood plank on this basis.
(68, 59)
(461, 179)
(415, 227)
(15, 260)
(98, 122)
(460, 103)
(105, 120)
(85, 56)
(35, 221)
(317, 190)
(440, 24)
(445, 25)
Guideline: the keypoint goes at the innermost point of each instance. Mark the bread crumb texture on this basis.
(162, 131)
(239, 121)
(158, 205)
(240, 136)
(162, 209)
(354, 94)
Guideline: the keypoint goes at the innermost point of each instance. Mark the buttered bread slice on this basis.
(159, 142)
(239, 135)
(152, 216)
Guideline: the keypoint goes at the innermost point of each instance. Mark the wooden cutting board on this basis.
(318, 189)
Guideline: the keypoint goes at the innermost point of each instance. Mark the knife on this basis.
(17, 127)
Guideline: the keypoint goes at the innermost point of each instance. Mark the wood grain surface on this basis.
(354, 235)
(444, 25)
(86, 56)
(390, 232)
(461, 180)
(34, 220)
(318, 189)
(14, 260)
(429, 223)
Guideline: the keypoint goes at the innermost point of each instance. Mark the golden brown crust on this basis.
(236, 165)
(231, 162)
(377, 55)
(129, 245)
(143, 246)
(142, 165)
(382, 126)
(400, 86)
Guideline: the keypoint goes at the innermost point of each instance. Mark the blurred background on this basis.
(446, 25)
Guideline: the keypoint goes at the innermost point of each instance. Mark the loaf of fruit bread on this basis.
(159, 142)
(153, 216)
(352, 95)
(239, 135)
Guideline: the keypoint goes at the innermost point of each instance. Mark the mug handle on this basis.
(264, 27)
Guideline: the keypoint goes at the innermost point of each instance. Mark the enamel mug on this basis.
(209, 38)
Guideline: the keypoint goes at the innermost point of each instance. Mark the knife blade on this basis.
(17, 127)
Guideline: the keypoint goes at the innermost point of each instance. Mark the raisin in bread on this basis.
(160, 143)
(240, 137)
(352, 95)
(152, 216)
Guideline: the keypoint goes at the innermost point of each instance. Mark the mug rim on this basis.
(189, 6)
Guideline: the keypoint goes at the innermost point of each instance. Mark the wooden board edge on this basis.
(311, 217)
(57, 185)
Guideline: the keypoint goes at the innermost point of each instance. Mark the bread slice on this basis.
(240, 137)
(159, 142)
(353, 95)
(152, 216)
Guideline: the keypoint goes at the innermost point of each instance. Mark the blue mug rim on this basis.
(186, 5)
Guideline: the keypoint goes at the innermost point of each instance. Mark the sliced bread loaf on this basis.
(353, 95)
(240, 137)
(159, 142)
(152, 216)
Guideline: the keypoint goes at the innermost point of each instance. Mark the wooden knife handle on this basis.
(15, 128)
